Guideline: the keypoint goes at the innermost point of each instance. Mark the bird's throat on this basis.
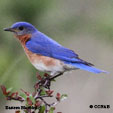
(23, 38)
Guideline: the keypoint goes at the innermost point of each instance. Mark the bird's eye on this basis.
(21, 28)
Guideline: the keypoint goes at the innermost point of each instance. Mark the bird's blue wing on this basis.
(38, 48)
(43, 45)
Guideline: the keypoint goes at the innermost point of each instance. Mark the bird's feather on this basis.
(87, 68)
(43, 45)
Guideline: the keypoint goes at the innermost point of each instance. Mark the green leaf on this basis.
(64, 96)
(54, 80)
(32, 99)
(51, 110)
(42, 109)
(43, 92)
(9, 89)
(23, 95)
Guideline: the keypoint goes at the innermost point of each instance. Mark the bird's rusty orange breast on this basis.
(36, 58)
(33, 57)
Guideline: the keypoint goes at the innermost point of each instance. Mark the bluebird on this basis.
(47, 55)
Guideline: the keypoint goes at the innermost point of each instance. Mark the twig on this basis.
(17, 99)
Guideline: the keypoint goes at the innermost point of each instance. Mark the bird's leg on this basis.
(52, 78)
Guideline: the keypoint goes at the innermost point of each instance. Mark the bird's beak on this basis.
(9, 29)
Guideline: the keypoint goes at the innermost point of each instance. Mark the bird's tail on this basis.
(88, 68)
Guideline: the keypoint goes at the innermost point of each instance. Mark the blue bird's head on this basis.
(21, 28)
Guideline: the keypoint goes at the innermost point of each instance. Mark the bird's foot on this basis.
(49, 79)
(46, 81)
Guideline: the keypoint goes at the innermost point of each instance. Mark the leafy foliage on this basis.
(36, 99)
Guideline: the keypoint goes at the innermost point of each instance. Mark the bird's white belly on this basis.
(53, 68)
(44, 63)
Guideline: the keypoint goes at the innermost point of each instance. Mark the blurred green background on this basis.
(86, 26)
